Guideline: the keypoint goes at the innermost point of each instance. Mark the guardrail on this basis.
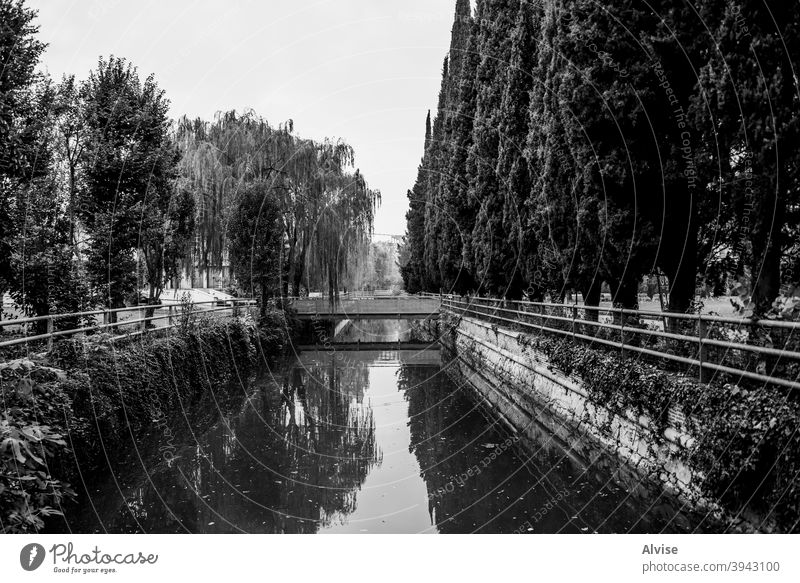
(174, 311)
(628, 331)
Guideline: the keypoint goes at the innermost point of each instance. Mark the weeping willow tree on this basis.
(343, 230)
(219, 159)
(326, 207)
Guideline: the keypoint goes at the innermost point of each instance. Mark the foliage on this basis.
(28, 493)
(378, 268)
(31, 436)
(19, 119)
(256, 244)
(128, 164)
(44, 278)
(747, 441)
(578, 144)
(326, 211)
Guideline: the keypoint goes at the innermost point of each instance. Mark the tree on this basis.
(413, 248)
(257, 242)
(19, 54)
(312, 182)
(44, 278)
(748, 109)
(70, 140)
(456, 211)
(128, 163)
(165, 236)
(499, 135)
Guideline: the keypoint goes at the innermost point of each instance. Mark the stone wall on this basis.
(540, 402)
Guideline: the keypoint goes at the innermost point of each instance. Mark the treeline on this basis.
(580, 144)
(102, 195)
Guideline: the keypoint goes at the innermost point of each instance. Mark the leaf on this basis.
(13, 444)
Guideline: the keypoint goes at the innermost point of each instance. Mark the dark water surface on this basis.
(365, 442)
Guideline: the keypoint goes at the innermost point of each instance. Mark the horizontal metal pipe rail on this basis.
(474, 306)
(175, 311)
(646, 314)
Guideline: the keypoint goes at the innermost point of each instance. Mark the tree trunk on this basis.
(681, 271)
(153, 297)
(766, 262)
(298, 274)
(591, 298)
(625, 295)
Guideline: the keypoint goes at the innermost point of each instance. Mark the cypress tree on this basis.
(444, 256)
(506, 227)
(748, 108)
(413, 271)
(484, 197)
(433, 175)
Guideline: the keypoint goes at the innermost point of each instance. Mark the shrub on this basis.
(28, 491)
(106, 393)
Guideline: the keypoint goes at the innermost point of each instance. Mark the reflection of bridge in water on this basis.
(368, 308)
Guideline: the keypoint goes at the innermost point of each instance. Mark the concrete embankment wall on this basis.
(541, 403)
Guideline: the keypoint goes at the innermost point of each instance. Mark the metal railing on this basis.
(628, 331)
(141, 325)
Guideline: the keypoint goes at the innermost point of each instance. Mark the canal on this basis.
(364, 442)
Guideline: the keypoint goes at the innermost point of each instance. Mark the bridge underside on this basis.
(355, 346)
(370, 316)
(389, 308)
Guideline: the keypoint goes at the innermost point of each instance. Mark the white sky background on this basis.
(363, 70)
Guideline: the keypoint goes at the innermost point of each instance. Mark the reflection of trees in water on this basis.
(550, 491)
(291, 460)
(438, 438)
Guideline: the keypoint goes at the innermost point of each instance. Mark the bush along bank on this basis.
(65, 413)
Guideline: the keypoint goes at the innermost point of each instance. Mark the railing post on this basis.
(574, 319)
(171, 315)
(50, 333)
(702, 331)
(623, 318)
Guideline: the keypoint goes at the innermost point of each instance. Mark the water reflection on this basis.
(366, 442)
(480, 478)
(384, 331)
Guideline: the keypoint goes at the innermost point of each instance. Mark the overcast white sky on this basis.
(363, 70)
